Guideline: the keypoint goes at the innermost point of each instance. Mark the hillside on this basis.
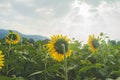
(3, 33)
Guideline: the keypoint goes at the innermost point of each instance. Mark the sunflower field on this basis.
(59, 58)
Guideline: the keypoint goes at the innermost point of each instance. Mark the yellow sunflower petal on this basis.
(55, 47)
(14, 40)
(91, 44)
(1, 60)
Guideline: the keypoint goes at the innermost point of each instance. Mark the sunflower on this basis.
(1, 60)
(55, 47)
(12, 38)
(93, 43)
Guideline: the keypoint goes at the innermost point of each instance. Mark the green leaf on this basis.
(97, 65)
(78, 77)
(75, 46)
(53, 68)
(115, 72)
(71, 67)
(9, 78)
(109, 79)
(118, 78)
(19, 78)
(35, 73)
(6, 78)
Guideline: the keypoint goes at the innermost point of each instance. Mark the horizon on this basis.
(21, 32)
(74, 18)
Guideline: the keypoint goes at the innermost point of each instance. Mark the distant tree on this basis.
(118, 42)
(112, 42)
(24, 40)
(32, 41)
(45, 41)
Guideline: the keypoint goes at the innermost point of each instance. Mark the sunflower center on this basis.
(12, 36)
(58, 46)
(95, 43)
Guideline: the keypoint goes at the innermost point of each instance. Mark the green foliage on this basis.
(6, 78)
(30, 60)
(9, 78)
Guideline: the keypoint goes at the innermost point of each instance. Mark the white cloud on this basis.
(45, 12)
(22, 17)
(25, 2)
(14, 25)
(82, 20)
(5, 5)
(5, 8)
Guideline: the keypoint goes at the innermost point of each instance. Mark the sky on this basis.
(74, 18)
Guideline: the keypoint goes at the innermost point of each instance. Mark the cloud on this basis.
(14, 25)
(5, 5)
(85, 19)
(5, 8)
(24, 1)
(61, 7)
(45, 12)
(78, 18)
(28, 3)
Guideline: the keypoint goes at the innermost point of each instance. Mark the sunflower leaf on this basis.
(71, 67)
(9, 78)
(53, 68)
(97, 65)
(115, 72)
(6, 78)
(35, 73)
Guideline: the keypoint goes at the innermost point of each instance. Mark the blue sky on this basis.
(74, 18)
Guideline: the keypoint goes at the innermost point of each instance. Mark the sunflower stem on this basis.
(8, 54)
(65, 64)
(46, 66)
